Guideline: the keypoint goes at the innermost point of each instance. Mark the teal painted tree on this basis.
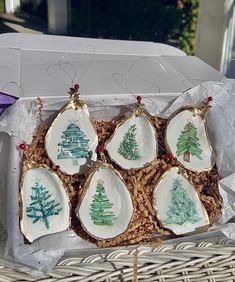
(188, 143)
(100, 208)
(182, 209)
(74, 144)
(41, 207)
(129, 146)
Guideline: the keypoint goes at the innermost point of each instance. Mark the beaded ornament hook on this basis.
(101, 150)
(75, 92)
(203, 110)
(75, 96)
(205, 106)
(139, 106)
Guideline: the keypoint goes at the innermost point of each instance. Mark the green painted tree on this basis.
(99, 209)
(188, 143)
(182, 209)
(41, 207)
(74, 144)
(129, 146)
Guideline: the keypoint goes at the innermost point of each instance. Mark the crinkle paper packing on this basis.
(20, 121)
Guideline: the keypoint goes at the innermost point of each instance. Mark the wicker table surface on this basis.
(184, 262)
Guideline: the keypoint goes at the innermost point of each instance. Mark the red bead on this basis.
(101, 149)
(210, 98)
(22, 146)
(138, 98)
(169, 156)
(76, 86)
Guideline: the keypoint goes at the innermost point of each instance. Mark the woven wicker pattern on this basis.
(3, 234)
(186, 262)
(3, 238)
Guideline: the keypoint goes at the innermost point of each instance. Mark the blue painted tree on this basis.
(99, 210)
(41, 207)
(182, 209)
(74, 144)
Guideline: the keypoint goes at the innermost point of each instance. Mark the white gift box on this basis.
(109, 72)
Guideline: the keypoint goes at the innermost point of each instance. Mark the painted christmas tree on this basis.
(182, 209)
(99, 210)
(41, 207)
(74, 144)
(129, 146)
(188, 143)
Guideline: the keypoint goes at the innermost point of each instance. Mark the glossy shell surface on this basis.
(106, 207)
(134, 143)
(177, 203)
(71, 141)
(187, 139)
(45, 207)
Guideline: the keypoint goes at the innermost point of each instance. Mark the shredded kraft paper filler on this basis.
(21, 120)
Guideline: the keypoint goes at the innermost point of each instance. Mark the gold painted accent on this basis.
(200, 112)
(85, 186)
(75, 103)
(182, 170)
(203, 109)
(100, 181)
(75, 98)
(139, 111)
(27, 165)
(103, 158)
(185, 175)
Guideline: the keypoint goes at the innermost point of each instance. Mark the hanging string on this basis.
(89, 65)
(132, 67)
(72, 76)
(15, 83)
(128, 75)
(126, 87)
(67, 73)
(60, 65)
(76, 71)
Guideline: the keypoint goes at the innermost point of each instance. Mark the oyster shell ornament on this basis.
(44, 203)
(105, 208)
(71, 140)
(187, 139)
(177, 203)
(134, 142)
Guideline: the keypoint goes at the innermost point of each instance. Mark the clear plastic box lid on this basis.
(47, 65)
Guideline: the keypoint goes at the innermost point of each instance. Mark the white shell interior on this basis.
(118, 195)
(163, 197)
(146, 140)
(174, 129)
(54, 185)
(55, 132)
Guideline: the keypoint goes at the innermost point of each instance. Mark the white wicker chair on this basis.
(186, 262)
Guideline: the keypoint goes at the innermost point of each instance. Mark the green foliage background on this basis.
(168, 21)
(2, 6)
